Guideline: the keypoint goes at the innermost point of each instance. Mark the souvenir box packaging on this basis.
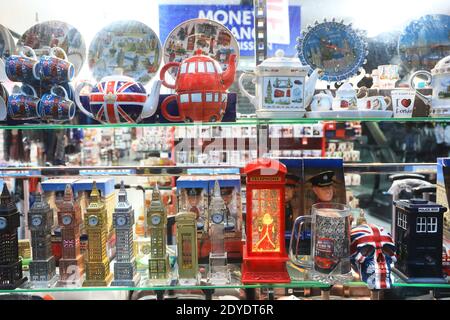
(230, 190)
(293, 194)
(443, 191)
(192, 195)
(309, 181)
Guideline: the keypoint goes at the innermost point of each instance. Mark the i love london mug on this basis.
(403, 103)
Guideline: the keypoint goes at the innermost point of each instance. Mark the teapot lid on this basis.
(281, 61)
(443, 66)
(346, 87)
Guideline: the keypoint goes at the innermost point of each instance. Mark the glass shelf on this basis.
(298, 280)
(170, 170)
(240, 122)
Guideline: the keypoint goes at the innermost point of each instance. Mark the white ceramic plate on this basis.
(213, 38)
(350, 114)
(128, 45)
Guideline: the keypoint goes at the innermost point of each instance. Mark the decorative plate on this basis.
(7, 45)
(333, 46)
(54, 33)
(213, 38)
(128, 45)
(424, 42)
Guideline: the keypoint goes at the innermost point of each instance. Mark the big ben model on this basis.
(71, 266)
(97, 266)
(187, 256)
(158, 264)
(40, 222)
(218, 269)
(123, 221)
(10, 263)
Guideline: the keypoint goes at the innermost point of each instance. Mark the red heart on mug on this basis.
(406, 102)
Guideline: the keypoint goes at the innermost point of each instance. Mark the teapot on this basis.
(347, 97)
(282, 90)
(322, 101)
(118, 99)
(201, 88)
(439, 78)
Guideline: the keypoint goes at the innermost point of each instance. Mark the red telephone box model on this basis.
(264, 254)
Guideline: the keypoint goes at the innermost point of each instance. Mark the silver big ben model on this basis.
(218, 270)
(123, 219)
(40, 222)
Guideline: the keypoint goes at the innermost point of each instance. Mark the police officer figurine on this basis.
(289, 195)
(323, 186)
(194, 197)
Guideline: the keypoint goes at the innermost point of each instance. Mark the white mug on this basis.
(374, 103)
(403, 103)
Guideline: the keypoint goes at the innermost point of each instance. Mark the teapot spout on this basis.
(310, 85)
(151, 104)
(230, 73)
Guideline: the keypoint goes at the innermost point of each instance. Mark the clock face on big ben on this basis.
(3, 223)
(93, 221)
(66, 219)
(217, 218)
(156, 220)
(36, 221)
(334, 47)
(121, 221)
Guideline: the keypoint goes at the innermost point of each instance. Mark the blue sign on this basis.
(239, 19)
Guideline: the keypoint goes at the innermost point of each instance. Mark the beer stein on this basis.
(321, 242)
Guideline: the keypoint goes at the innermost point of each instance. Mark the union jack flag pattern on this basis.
(117, 101)
(372, 254)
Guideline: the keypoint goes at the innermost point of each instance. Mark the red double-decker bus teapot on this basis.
(201, 88)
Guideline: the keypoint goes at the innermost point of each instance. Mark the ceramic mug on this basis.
(20, 68)
(54, 69)
(403, 103)
(374, 103)
(388, 76)
(55, 106)
(23, 105)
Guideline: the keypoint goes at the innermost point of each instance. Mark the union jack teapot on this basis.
(118, 99)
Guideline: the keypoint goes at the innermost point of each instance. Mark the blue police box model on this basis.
(418, 238)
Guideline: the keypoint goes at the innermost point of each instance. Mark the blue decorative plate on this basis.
(424, 42)
(334, 47)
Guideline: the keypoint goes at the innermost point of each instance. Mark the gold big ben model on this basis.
(97, 266)
(157, 223)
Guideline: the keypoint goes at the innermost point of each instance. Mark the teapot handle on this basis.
(424, 98)
(245, 92)
(78, 90)
(295, 240)
(162, 74)
(166, 113)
